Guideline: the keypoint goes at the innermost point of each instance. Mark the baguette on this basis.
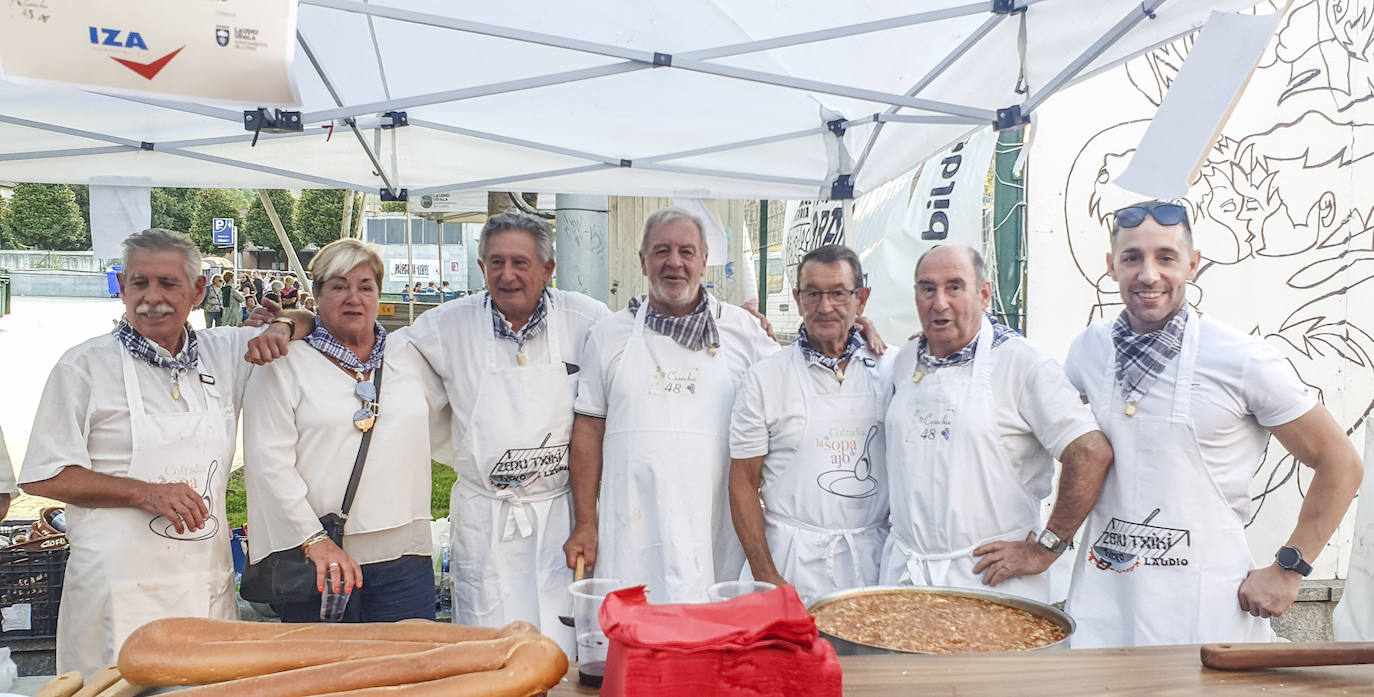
(147, 662)
(180, 630)
(445, 661)
(535, 666)
(122, 688)
(99, 680)
(64, 685)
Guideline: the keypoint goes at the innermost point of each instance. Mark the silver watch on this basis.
(1051, 541)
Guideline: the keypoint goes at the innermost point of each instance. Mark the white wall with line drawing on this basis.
(1282, 214)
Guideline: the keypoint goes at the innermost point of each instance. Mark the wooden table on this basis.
(1155, 671)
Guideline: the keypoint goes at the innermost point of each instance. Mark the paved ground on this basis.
(32, 338)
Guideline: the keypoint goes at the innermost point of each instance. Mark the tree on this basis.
(393, 206)
(45, 216)
(319, 214)
(258, 227)
(173, 209)
(83, 201)
(6, 242)
(210, 204)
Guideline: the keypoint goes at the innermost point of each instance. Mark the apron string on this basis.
(515, 514)
(835, 537)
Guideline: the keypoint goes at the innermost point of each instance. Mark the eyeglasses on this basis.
(812, 298)
(365, 417)
(1163, 213)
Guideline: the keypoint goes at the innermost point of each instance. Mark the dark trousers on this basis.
(394, 590)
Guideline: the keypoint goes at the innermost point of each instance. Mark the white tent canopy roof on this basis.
(559, 96)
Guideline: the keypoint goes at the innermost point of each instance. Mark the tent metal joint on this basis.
(1010, 117)
(663, 60)
(394, 119)
(399, 195)
(272, 121)
(842, 188)
(626, 163)
(837, 126)
(145, 145)
(1008, 7)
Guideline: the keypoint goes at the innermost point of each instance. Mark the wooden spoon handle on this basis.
(581, 570)
(1280, 655)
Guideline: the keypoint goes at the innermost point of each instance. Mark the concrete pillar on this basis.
(471, 234)
(583, 245)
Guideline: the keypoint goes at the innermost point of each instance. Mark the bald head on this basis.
(949, 251)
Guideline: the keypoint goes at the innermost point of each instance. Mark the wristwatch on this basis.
(1051, 541)
(290, 323)
(1290, 558)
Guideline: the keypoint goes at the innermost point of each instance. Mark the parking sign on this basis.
(222, 232)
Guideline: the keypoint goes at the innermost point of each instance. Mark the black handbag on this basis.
(288, 576)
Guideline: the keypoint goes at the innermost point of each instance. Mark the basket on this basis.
(30, 589)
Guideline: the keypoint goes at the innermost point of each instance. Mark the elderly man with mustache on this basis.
(135, 432)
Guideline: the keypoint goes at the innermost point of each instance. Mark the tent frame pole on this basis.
(281, 235)
(520, 142)
(1122, 27)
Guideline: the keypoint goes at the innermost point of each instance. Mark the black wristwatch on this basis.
(1290, 558)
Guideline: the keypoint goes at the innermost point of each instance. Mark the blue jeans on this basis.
(214, 319)
(393, 590)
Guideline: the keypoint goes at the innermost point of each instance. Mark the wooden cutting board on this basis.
(1153, 671)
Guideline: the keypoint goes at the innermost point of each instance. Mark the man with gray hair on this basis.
(509, 359)
(138, 431)
(651, 433)
(976, 419)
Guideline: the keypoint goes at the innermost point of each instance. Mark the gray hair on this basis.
(538, 229)
(834, 254)
(980, 267)
(669, 215)
(341, 256)
(161, 240)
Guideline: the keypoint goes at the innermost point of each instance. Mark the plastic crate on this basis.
(30, 589)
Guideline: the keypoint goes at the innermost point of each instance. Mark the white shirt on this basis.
(1039, 412)
(449, 336)
(1242, 386)
(7, 483)
(300, 444)
(83, 416)
(743, 343)
(770, 415)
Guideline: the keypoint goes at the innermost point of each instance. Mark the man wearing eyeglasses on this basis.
(977, 417)
(806, 441)
(1188, 404)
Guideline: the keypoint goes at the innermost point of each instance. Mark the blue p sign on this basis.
(222, 232)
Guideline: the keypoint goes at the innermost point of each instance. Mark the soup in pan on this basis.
(934, 623)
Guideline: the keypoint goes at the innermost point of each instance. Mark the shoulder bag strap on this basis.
(357, 475)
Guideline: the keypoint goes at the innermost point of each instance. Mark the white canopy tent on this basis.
(706, 99)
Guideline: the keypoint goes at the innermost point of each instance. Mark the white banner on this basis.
(116, 213)
(426, 270)
(449, 202)
(230, 50)
(898, 222)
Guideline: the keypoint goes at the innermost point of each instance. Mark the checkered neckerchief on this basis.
(694, 331)
(1000, 333)
(324, 342)
(527, 332)
(832, 363)
(142, 348)
(1140, 358)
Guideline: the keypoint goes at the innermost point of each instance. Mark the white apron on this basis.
(128, 567)
(953, 487)
(510, 508)
(664, 509)
(825, 510)
(1163, 554)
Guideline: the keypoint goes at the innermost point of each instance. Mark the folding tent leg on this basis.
(281, 235)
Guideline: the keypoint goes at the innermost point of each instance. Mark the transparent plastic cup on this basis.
(591, 640)
(726, 590)
(332, 604)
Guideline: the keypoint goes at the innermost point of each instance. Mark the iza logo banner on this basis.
(229, 51)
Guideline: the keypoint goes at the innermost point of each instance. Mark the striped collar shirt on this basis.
(1140, 358)
(529, 331)
(693, 331)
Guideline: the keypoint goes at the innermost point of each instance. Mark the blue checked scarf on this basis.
(1000, 333)
(1140, 358)
(527, 332)
(832, 363)
(142, 348)
(324, 342)
(694, 331)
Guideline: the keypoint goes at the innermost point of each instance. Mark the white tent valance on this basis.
(719, 99)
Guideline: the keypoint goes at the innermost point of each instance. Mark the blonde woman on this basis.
(232, 300)
(302, 433)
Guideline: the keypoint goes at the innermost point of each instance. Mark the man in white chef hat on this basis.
(135, 433)
(976, 420)
(651, 433)
(1189, 404)
(806, 437)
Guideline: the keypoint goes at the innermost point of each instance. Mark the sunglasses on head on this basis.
(1164, 213)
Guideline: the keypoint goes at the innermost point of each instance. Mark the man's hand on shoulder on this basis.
(753, 309)
(1269, 592)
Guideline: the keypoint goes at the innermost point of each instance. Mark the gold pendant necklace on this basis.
(520, 358)
(1130, 409)
(711, 351)
(176, 389)
(917, 377)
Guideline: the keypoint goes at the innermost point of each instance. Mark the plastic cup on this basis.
(591, 640)
(332, 603)
(726, 590)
